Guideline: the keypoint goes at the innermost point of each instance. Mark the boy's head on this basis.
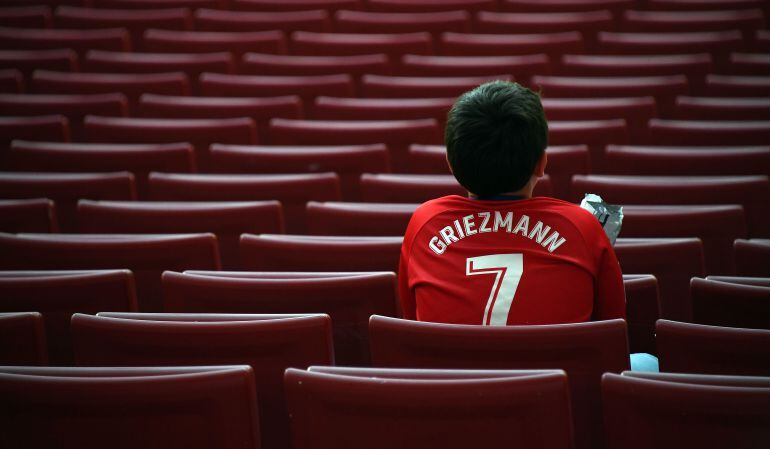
(495, 137)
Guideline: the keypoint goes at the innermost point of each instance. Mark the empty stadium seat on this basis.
(552, 44)
(22, 339)
(737, 86)
(381, 86)
(520, 67)
(749, 191)
(33, 215)
(193, 407)
(294, 65)
(348, 161)
(33, 16)
(224, 20)
(37, 127)
(59, 294)
(719, 411)
(716, 226)
(132, 85)
(115, 39)
(237, 42)
(348, 298)
(749, 64)
(146, 255)
(66, 189)
(396, 134)
(752, 257)
(673, 261)
(337, 108)
(294, 5)
(742, 280)
(694, 66)
(272, 252)
(399, 188)
(336, 218)
(583, 350)
(292, 190)
(636, 111)
(192, 64)
(709, 132)
(226, 219)
(642, 311)
(139, 159)
(339, 408)
(564, 5)
(596, 134)
(199, 132)
(11, 81)
(339, 44)
(702, 5)
(416, 6)
(586, 22)
(715, 108)
(700, 349)
(728, 304)
(696, 160)
(62, 60)
(679, 21)
(402, 22)
(74, 107)
(155, 4)
(718, 43)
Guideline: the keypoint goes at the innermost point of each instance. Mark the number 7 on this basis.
(507, 269)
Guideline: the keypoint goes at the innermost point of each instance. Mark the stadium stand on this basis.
(22, 339)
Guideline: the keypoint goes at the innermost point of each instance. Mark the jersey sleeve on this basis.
(610, 296)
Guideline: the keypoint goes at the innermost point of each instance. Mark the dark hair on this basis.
(495, 135)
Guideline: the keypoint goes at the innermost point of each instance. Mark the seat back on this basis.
(22, 339)
(728, 304)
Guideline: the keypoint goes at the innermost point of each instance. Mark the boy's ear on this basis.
(540, 166)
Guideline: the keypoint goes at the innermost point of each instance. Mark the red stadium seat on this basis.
(33, 215)
(193, 64)
(673, 261)
(38, 127)
(293, 190)
(638, 412)
(237, 42)
(155, 4)
(583, 350)
(379, 86)
(135, 21)
(193, 407)
(659, 160)
(307, 87)
(140, 159)
(198, 132)
(552, 44)
(334, 408)
(268, 343)
(349, 299)
(709, 132)
(642, 311)
(433, 22)
(226, 219)
(336, 218)
(702, 5)
(146, 255)
(223, 20)
(663, 88)
(349, 162)
(22, 340)
(63, 60)
(59, 294)
(563, 162)
(737, 86)
(115, 39)
(66, 188)
(339, 44)
(742, 280)
(700, 349)
(269, 252)
(693, 21)
(416, 6)
(594, 133)
(751, 64)
(713, 108)
(74, 107)
(749, 191)
(694, 66)
(399, 188)
(716, 226)
(564, 5)
(294, 5)
(11, 81)
(521, 67)
(336, 108)
(33, 16)
(636, 111)
(259, 109)
(732, 305)
(130, 84)
(587, 22)
(354, 65)
(752, 257)
(397, 134)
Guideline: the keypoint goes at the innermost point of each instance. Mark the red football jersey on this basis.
(497, 262)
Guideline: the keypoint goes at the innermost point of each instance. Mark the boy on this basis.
(500, 256)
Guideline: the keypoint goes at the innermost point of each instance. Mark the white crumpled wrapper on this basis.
(609, 215)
